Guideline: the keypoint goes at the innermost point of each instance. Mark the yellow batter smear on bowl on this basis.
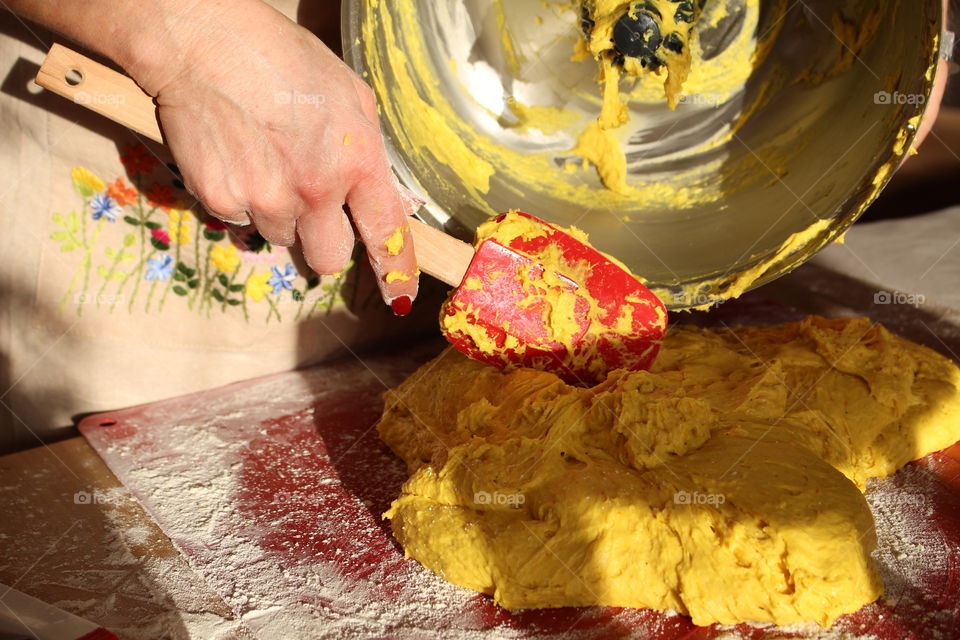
(601, 149)
(596, 144)
(437, 143)
(700, 486)
(734, 285)
(547, 120)
(506, 40)
(458, 162)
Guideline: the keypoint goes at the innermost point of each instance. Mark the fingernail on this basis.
(402, 305)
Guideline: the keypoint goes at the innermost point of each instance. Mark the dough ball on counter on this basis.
(726, 483)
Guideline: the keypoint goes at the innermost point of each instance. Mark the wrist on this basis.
(183, 32)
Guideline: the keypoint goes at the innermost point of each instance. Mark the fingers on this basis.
(327, 239)
(274, 209)
(378, 213)
(240, 218)
(279, 228)
(933, 110)
(225, 210)
(271, 207)
(366, 99)
(936, 99)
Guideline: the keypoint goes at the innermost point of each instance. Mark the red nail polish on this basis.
(401, 306)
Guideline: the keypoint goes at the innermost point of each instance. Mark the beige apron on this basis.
(117, 291)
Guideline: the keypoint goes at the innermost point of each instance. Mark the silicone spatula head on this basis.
(536, 296)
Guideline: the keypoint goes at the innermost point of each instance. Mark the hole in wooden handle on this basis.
(73, 77)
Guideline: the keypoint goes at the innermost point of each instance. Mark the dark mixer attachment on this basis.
(639, 31)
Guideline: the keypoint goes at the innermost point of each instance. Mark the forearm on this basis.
(150, 39)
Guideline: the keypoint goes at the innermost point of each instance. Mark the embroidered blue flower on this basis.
(159, 268)
(103, 206)
(282, 279)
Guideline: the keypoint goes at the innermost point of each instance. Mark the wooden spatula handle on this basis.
(100, 89)
(439, 255)
(120, 99)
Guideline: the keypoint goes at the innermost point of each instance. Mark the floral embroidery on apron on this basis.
(171, 254)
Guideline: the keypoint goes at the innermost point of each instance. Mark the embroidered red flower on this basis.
(160, 235)
(159, 195)
(137, 160)
(216, 225)
(123, 194)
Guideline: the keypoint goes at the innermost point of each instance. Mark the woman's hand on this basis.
(268, 125)
(936, 96)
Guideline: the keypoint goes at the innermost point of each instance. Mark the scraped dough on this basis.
(724, 484)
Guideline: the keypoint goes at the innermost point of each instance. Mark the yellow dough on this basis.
(394, 243)
(724, 484)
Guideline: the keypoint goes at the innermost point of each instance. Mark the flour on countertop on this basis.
(276, 502)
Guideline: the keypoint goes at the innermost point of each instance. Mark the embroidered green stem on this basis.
(73, 283)
(246, 312)
(83, 222)
(176, 262)
(273, 309)
(226, 289)
(153, 288)
(138, 271)
(204, 296)
(87, 261)
(108, 278)
(334, 294)
(303, 299)
(196, 263)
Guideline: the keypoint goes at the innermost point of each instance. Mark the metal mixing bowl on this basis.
(810, 140)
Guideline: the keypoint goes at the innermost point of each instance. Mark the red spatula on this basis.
(530, 294)
(535, 296)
